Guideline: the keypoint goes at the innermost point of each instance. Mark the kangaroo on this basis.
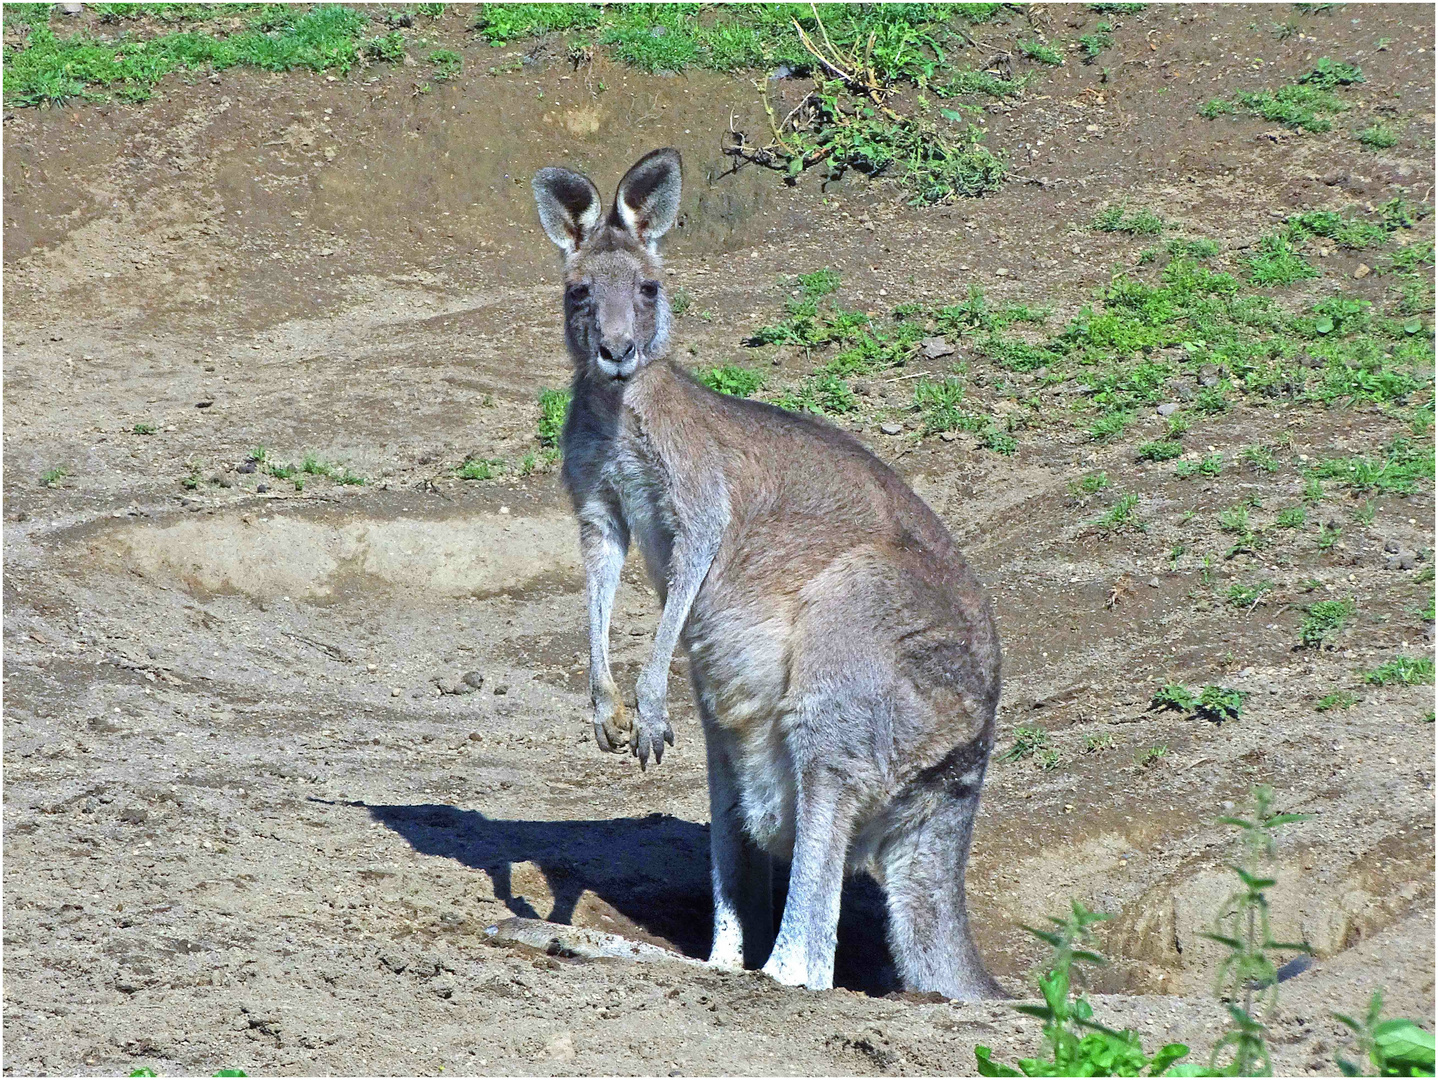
(844, 658)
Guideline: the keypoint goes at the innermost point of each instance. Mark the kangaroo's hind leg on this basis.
(809, 931)
(923, 862)
(741, 873)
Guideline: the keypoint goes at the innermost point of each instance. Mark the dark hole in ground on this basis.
(651, 873)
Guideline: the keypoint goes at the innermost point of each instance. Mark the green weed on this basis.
(732, 379)
(1393, 1047)
(1139, 223)
(478, 468)
(1044, 54)
(1397, 473)
(1164, 450)
(1121, 516)
(1325, 619)
(447, 64)
(1260, 457)
(1248, 596)
(1404, 670)
(553, 409)
(1211, 465)
(1339, 699)
(1027, 740)
(1077, 1044)
(1090, 484)
(1277, 263)
(822, 394)
(144, 429)
(49, 70)
(1193, 248)
(1150, 756)
(52, 477)
(1248, 977)
(1294, 517)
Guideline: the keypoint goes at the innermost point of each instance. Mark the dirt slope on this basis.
(243, 826)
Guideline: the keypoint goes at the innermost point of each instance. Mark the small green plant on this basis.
(478, 468)
(1339, 699)
(447, 64)
(1139, 223)
(144, 429)
(680, 301)
(1026, 741)
(1405, 670)
(1095, 43)
(1325, 619)
(553, 408)
(1175, 696)
(1220, 703)
(1277, 263)
(1260, 457)
(1294, 517)
(1377, 137)
(1077, 1044)
(1164, 450)
(825, 394)
(1090, 484)
(1330, 73)
(1044, 54)
(1121, 516)
(732, 379)
(1248, 596)
(52, 477)
(1093, 744)
(1211, 465)
(1193, 248)
(1393, 1047)
(1329, 533)
(388, 47)
(1049, 759)
(1150, 756)
(1248, 977)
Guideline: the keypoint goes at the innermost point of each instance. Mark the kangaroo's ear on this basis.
(568, 206)
(647, 201)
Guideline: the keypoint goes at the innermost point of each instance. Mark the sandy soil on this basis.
(243, 827)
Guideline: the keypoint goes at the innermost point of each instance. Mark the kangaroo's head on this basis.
(616, 316)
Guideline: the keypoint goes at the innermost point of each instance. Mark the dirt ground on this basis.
(244, 828)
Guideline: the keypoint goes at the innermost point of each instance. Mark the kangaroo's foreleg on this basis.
(691, 555)
(604, 541)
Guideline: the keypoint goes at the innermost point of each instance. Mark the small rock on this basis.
(1392, 546)
(1333, 179)
(502, 689)
(395, 961)
(890, 427)
(936, 347)
(205, 404)
(474, 679)
(395, 691)
(1003, 272)
(1168, 408)
(1153, 583)
(1208, 375)
(1363, 270)
(948, 436)
(70, 9)
(245, 467)
(135, 815)
(262, 488)
(1401, 560)
(475, 736)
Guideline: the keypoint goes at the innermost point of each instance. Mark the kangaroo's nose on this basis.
(616, 352)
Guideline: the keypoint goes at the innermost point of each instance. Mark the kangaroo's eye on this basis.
(650, 289)
(577, 294)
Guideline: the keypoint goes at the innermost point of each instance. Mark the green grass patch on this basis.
(1403, 670)
(1325, 619)
(732, 379)
(1162, 450)
(1277, 263)
(1211, 465)
(1398, 472)
(1122, 515)
(553, 408)
(51, 70)
(1142, 222)
(1044, 54)
(1339, 699)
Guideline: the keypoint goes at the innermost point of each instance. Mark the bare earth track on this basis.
(243, 827)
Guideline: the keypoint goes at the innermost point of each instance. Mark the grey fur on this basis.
(844, 657)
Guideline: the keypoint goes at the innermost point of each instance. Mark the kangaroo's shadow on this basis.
(651, 873)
